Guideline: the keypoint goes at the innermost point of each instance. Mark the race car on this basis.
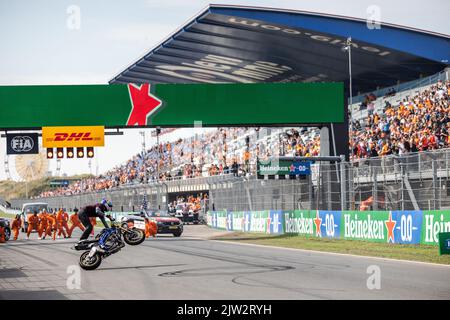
(5, 224)
(165, 222)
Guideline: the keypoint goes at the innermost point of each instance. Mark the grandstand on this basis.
(195, 163)
(411, 121)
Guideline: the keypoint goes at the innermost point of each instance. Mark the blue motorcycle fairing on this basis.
(104, 237)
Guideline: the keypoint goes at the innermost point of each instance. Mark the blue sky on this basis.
(38, 47)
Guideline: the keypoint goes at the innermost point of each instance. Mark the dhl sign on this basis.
(78, 136)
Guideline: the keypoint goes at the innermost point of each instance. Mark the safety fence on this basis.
(414, 181)
(404, 227)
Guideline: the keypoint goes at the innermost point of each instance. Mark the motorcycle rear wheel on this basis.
(90, 263)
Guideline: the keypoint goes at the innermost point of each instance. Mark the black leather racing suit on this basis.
(92, 211)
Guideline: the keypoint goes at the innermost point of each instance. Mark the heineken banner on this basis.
(298, 222)
(404, 227)
(367, 225)
(275, 222)
(283, 167)
(313, 223)
(218, 219)
(236, 221)
(171, 104)
(258, 221)
(433, 223)
(407, 226)
(330, 224)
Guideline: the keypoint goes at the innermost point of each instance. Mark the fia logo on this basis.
(22, 143)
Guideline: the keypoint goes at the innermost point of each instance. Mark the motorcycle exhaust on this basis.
(94, 250)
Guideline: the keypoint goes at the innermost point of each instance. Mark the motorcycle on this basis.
(107, 242)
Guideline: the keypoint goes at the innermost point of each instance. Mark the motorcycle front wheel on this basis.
(134, 236)
(90, 263)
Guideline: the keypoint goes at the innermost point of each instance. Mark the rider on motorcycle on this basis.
(94, 211)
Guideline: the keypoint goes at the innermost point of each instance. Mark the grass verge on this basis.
(422, 253)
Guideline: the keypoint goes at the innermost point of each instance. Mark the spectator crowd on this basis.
(420, 123)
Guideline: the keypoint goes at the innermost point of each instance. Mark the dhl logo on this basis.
(73, 136)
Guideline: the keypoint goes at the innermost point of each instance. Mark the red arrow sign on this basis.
(143, 104)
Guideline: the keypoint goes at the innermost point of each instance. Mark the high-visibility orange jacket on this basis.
(74, 219)
(51, 220)
(16, 224)
(60, 216)
(43, 217)
(151, 228)
(33, 220)
(75, 223)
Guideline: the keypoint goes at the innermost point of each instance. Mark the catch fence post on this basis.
(343, 182)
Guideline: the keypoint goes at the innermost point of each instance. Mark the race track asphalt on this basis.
(193, 267)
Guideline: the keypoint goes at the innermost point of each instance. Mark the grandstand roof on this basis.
(248, 44)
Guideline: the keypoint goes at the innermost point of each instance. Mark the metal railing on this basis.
(443, 75)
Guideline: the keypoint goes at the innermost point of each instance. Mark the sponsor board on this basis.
(247, 221)
(258, 222)
(22, 143)
(275, 222)
(329, 222)
(368, 226)
(229, 221)
(433, 223)
(283, 167)
(209, 218)
(402, 227)
(221, 220)
(76, 136)
(238, 219)
(407, 227)
(298, 222)
(444, 243)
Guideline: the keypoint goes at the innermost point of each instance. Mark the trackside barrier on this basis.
(8, 210)
(403, 227)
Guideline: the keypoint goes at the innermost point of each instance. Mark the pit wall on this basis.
(406, 227)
